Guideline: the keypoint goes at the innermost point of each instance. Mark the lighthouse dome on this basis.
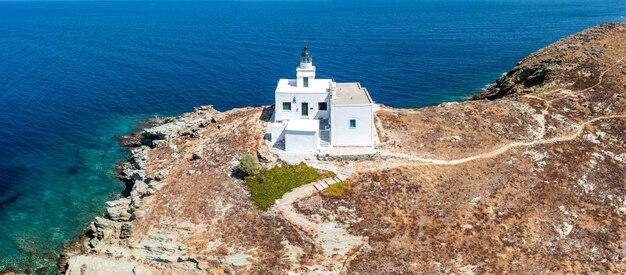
(305, 56)
(305, 52)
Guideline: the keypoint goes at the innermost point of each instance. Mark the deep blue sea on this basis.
(76, 75)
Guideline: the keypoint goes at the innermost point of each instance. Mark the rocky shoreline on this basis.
(115, 225)
(525, 178)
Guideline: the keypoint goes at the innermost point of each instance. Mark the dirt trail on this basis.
(575, 93)
(331, 237)
(505, 148)
(499, 151)
(327, 240)
(284, 206)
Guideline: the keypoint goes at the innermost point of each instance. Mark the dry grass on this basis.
(337, 189)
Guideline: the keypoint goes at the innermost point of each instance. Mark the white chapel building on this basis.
(321, 116)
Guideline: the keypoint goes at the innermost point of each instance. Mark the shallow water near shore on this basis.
(59, 191)
(75, 75)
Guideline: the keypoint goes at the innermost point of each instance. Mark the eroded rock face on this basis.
(520, 79)
(569, 63)
(532, 182)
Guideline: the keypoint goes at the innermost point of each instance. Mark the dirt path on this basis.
(284, 206)
(499, 151)
(576, 93)
(330, 237)
(505, 148)
(333, 238)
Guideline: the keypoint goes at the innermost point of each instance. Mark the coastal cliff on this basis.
(526, 178)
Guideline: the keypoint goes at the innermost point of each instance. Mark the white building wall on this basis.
(342, 134)
(312, 98)
(277, 131)
(301, 142)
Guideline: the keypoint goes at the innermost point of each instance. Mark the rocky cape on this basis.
(529, 177)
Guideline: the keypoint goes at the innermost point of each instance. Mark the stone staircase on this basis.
(325, 138)
(323, 184)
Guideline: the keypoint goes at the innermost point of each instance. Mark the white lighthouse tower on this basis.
(305, 72)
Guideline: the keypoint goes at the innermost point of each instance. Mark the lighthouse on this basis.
(320, 116)
(305, 72)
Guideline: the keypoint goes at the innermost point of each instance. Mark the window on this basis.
(286, 106)
(322, 106)
(306, 82)
(352, 123)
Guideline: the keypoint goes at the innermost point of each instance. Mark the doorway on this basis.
(305, 109)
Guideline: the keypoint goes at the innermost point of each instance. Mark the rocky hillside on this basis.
(528, 179)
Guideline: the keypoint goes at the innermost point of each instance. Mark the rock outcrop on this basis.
(520, 79)
(554, 65)
(530, 179)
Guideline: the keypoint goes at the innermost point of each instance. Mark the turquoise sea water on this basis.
(74, 75)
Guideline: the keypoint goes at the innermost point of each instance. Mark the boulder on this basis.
(195, 156)
(118, 210)
(125, 231)
(140, 189)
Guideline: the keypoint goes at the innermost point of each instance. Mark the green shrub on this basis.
(272, 184)
(337, 189)
(248, 166)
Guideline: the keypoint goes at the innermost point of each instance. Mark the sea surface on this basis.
(76, 75)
